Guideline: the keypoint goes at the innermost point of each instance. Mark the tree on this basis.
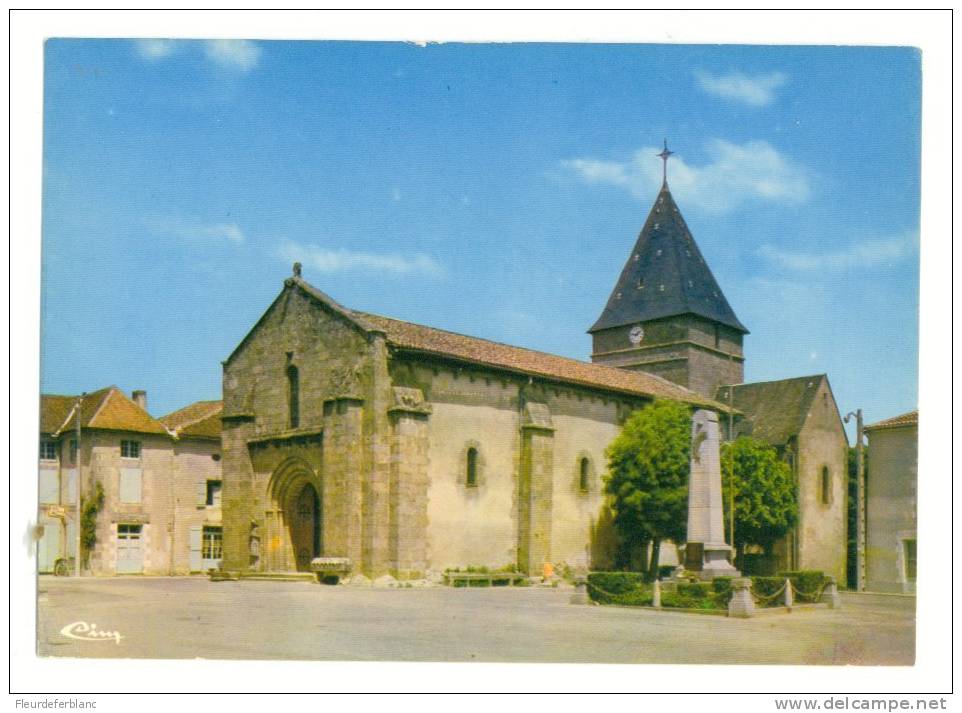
(647, 477)
(766, 505)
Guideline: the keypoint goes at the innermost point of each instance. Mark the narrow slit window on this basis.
(472, 475)
(293, 397)
(826, 486)
(584, 471)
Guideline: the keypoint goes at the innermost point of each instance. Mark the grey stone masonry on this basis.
(705, 526)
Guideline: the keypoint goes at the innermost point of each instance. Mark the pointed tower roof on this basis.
(665, 275)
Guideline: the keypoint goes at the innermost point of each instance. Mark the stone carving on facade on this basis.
(410, 400)
(537, 415)
(345, 381)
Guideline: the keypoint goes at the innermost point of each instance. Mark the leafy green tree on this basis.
(766, 505)
(647, 477)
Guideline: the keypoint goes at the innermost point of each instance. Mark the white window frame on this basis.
(130, 445)
(44, 443)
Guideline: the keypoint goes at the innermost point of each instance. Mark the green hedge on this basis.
(806, 580)
(619, 588)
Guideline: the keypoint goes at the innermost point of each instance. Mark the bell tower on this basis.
(667, 315)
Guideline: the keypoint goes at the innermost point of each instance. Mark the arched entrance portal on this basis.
(294, 521)
(305, 527)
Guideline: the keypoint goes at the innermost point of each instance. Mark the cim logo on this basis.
(82, 631)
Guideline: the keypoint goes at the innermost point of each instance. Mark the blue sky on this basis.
(489, 189)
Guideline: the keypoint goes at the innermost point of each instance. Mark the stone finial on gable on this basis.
(297, 269)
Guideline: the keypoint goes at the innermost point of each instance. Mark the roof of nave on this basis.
(108, 409)
(906, 419)
(429, 340)
(416, 337)
(665, 276)
(776, 410)
(198, 420)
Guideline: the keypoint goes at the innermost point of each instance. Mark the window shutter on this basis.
(196, 537)
(131, 485)
(49, 487)
(201, 493)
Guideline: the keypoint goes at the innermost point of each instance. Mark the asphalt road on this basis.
(196, 618)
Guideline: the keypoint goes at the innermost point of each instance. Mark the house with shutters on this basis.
(160, 479)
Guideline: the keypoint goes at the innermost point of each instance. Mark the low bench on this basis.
(483, 579)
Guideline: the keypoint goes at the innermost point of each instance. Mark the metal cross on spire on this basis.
(665, 153)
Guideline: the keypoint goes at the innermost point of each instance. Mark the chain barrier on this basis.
(598, 589)
(762, 599)
(814, 596)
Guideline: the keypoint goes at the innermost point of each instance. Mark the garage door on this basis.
(130, 550)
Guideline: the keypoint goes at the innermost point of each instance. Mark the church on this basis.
(411, 450)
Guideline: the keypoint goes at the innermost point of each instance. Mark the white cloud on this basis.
(869, 253)
(227, 231)
(217, 232)
(233, 54)
(735, 173)
(330, 260)
(155, 48)
(753, 91)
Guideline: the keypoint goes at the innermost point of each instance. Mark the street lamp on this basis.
(859, 500)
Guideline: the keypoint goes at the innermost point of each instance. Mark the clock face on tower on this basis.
(636, 334)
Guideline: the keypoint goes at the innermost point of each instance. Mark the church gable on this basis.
(305, 342)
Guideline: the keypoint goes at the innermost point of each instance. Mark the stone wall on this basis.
(822, 527)
(343, 400)
(891, 507)
(689, 350)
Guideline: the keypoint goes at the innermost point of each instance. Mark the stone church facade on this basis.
(411, 450)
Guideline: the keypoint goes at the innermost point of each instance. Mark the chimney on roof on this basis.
(140, 398)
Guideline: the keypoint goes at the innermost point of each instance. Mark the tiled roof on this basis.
(416, 337)
(665, 276)
(198, 420)
(774, 410)
(108, 409)
(906, 419)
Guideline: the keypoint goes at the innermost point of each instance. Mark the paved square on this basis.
(193, 617)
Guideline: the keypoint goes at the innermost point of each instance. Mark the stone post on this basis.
(706, 531)
(831, 594)
(789, 600)
(656, 594)
(741, 605)
(580, 593)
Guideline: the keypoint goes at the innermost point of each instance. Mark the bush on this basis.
(665, 570)
(694, 590)
(766, 587)
(619, 588)
(809, 581)
(695, 596)
(722, 588)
